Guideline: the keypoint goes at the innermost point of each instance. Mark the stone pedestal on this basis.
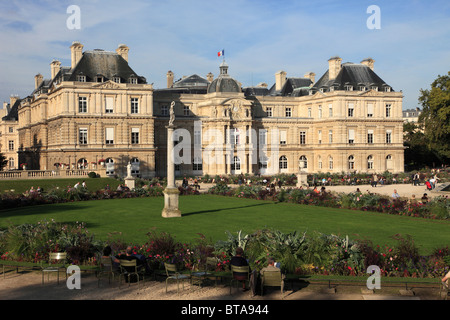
(130, 182)
(171, 203)
(171, 193)
(302, 179)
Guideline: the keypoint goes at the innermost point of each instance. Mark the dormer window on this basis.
(133, 79)
(387, 89)
(99, 79)
(362, 88)
(116, 79)
(81, 78)
(374, 88)
(348, 88)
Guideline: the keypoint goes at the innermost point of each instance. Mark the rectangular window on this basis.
(370, 136)
(109, 135)
(283, 137)
(82, 104)
(269, 111)
(288, 112)
(134, 135)
(109, 105)
(262, 137)
(370, 110)
(320, 136)
(134, 105)
(302, 137)
(186, 111)
(350, 109)
(388, 111)
(11, 145)
(11, 129)
(83, 136)
(388, 136)
(235, 136)
(330, 110)
(164, 110)
(330, 136)
(116, 79)
(197, 164)
(351, 136)
(320, 112)
(81, 78)
(309, 113)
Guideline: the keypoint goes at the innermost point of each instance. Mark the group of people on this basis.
(240, 261)
(128, 255)
(83, 184)
(191, 182)
(430, 183)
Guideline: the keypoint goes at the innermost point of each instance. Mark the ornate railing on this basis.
(48, 174)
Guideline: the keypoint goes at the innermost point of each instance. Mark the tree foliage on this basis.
(435, 116)
(3, 161)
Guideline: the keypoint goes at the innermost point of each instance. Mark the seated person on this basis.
(129, 255)
(270, 267)
(239, 261)
(107, 253)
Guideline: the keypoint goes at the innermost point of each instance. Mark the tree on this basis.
(435, 117)
(3, 161)
(417, 153)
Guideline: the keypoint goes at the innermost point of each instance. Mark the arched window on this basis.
(109, 166)
(82, 163)
(369, 162)
(389, 162)
(135, 164)
(236, 164)
(351, 163)
(330, 162)
(283, 162)
(303, 160)
(11, 163)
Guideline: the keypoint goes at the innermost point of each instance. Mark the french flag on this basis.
(221, 53)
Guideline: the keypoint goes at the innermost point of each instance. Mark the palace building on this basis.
(99, 114)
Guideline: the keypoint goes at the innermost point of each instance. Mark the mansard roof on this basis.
(290, 86)
(351, 74)
(13, 114)
(192, 81)
(101, 63)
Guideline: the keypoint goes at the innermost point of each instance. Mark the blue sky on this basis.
(410, 50)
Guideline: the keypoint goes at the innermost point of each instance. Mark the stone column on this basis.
(171, 193)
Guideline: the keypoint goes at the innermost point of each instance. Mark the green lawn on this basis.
(20, 186)
(214, 215)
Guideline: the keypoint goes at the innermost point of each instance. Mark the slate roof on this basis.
(102, 63)
(291, 85)
(354, 75)
(13, 114)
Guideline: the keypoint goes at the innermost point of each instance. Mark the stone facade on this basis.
(99, 109)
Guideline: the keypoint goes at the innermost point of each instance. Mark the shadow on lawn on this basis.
(36, 210)
(222, 209)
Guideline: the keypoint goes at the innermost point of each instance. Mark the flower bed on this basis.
(298, 253)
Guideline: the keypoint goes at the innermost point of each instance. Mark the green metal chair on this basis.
(56, 263)
(173, 275)
(239, 269)
(105, 268)
(129, 268)
(272, 279)
(444, 290)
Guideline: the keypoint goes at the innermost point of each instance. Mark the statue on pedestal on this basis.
(172, 114)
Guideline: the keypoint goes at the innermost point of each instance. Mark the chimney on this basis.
(280, 80)
(210, 77)
(169, 79)
(311, 76)
(12, 100)
(76, 51)
(37, 80)
(55, 66)
(334, 66)
(368, 62)
(122, 51)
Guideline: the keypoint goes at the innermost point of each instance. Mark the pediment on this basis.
(108, 85)
(369, 93)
